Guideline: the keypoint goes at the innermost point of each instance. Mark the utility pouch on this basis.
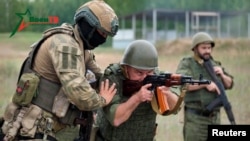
(9, 116)
(60, 105)
(26, 89)
(30, 120)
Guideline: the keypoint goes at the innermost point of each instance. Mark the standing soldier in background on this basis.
(52, 91)
(196, 119)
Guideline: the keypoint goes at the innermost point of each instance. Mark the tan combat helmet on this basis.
(99, 15)
(140, 54)
(202, 37)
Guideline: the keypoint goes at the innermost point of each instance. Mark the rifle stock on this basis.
(221, 100)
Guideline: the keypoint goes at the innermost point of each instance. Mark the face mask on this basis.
(89, 35)
(97, 39)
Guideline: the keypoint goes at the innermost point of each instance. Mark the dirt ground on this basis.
(235, 58)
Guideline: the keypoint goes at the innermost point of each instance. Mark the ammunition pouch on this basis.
(29, 121)
(21, 120)
(9, 116)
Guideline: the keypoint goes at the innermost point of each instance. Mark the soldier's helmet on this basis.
(99, 15)
(140, 54)
(202, 37)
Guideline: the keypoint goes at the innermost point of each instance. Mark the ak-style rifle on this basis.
(163, 79)
(221, 100)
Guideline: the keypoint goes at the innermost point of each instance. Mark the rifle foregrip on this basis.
(162, 101)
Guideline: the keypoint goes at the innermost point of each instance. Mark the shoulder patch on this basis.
(68, 56)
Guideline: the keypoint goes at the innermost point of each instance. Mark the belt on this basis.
(201, 112)
(37, 136)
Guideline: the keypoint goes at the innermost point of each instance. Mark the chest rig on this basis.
(47, 90)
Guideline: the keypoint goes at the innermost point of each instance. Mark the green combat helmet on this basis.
(202, 37)
(99, 15)
(140, 54)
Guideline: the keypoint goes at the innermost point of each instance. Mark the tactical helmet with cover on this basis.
(95, 20)
(140, 54)
(99, 15)
(202, 37)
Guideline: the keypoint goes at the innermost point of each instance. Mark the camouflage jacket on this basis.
(141, 124)
(62, 59)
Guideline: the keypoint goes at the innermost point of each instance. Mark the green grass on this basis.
(21, 40)
(234, 55)
(9, 70)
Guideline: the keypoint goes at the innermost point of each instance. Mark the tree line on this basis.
(65, 9)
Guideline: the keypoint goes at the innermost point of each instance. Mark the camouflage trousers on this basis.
(68, 134)
(196, 126)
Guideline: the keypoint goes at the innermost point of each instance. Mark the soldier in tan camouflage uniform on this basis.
(52, 90)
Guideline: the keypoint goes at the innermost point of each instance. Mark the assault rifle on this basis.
(86, 118)
(164, 79)
(221, 100)
(85, 121)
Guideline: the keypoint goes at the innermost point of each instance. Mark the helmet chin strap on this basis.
(124, 71)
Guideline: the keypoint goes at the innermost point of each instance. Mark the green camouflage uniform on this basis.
(196, 126)
(140, 126)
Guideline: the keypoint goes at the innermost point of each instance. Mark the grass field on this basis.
(233, 53)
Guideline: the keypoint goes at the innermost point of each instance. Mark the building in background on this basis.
(162, 24)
